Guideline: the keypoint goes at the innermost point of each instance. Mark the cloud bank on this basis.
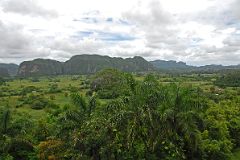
(199, 33)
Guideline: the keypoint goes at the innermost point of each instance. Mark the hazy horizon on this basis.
(196, 32)
(123, 58)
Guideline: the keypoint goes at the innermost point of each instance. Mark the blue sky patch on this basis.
(123, 22)
(107, 36)
(109, 19)
(87, 20)
(81, 34)
(104, 36)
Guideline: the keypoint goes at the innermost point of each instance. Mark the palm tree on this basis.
(181, 116)
(79, 101)
(16, 147)
(159, 114)
(5, 120)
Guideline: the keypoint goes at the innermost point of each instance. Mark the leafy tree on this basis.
(110, 83)
(216, 143)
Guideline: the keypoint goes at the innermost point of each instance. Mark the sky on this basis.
(198, 32)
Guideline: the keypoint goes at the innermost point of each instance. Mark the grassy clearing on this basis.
(65, 83)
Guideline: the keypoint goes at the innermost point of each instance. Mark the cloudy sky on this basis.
(198, 32)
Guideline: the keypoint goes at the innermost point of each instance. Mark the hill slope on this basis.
(40, 67)
(11, 68)
(4, 72)
(183, 67)
(171, 65)
(83, 64)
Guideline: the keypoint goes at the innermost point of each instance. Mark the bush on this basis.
(28, 89)
(89, 93)
(39, 104)
(19, 105)
(2, 81)
(72, 88)
(52, 97)
(53, 88)
(35, 101)
(66, 94)
(35, 80)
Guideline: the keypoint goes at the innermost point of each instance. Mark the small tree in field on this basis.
(110, 83)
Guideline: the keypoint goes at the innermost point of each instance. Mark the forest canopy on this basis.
(124, 117)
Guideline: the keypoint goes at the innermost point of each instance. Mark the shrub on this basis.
(52, 97)
(89, 93)
(53, 88)
(39, 104)
(2, 81)
(35, 79)
(66, 94)
(28, 89)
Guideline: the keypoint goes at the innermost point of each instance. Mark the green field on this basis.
(125, 115)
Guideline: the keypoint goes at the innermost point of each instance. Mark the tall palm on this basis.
(13, 145)
(5, 120)
(181, 116)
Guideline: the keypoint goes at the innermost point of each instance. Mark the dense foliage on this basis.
(230, 79)
(110, 83)
(142, 119)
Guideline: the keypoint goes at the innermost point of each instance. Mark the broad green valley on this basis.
(118, 115)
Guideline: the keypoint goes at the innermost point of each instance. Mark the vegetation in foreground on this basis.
(116, 115)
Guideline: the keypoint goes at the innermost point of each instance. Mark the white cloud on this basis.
(236, 8)
(27, 7)
(198, 32)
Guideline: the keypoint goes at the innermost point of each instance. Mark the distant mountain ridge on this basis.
(183, 67)
(89, 64)
(4, 72)
(10, 68)
(83, 64)
(171, 65)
